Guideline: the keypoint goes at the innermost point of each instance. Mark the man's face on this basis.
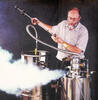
(73, 17)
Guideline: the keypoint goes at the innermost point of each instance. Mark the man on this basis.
(70, 34)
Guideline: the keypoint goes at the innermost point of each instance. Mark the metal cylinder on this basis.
(75, 88)
(36, 93)
(41, 59)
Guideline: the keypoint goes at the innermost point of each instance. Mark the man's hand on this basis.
(57, 39)
(60, 40)
(35, 21)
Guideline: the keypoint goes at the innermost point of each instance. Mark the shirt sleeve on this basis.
(83, 39)
(56, 28)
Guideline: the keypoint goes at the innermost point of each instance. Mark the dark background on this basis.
(14, 38)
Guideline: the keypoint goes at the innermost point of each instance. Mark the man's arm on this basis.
(71, 47)
(46, 27)
(67, 45)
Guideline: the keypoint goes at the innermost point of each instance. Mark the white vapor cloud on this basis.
(18, 76)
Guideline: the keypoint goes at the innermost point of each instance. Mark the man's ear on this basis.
(80, 18)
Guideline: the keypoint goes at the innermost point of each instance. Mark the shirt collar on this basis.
(77, 27)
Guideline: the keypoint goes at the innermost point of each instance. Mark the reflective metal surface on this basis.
(35, 94)
(75, 88)
(41, 59)
(30, 58)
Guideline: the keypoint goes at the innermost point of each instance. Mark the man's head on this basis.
(73, 16)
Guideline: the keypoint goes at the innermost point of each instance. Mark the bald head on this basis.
(75, 12)
(75, 9)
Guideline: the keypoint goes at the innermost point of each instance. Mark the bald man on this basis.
(70, 34)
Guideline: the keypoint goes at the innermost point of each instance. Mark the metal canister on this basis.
(75, 88)
(40, 59)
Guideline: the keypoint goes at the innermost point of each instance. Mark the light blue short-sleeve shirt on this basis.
(77, 37)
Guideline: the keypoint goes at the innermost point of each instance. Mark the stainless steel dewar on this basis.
(41, 59)
(75, 88)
